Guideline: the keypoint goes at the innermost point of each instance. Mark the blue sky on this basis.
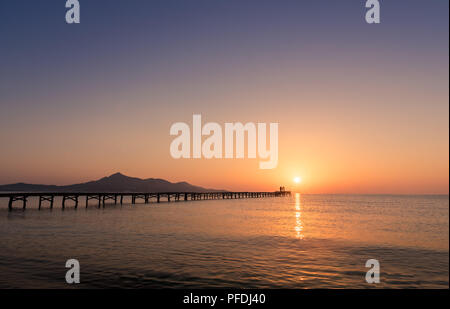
(71, 93)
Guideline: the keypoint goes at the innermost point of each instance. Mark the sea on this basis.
(296, 242)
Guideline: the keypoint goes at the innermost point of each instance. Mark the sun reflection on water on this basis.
(298, 215)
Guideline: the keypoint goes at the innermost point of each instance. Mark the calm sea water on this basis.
(303, 241)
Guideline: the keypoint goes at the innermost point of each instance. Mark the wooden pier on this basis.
(118, 197)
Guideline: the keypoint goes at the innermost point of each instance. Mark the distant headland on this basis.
(114, 183)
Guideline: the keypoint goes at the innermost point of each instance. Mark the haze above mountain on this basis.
(114, 183)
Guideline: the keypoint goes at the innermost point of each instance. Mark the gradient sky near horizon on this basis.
(361, 108)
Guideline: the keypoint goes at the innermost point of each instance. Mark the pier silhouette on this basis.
(118, 197)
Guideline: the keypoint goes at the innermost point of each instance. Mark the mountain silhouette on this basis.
(114, 183)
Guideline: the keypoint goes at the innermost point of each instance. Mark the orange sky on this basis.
(338, 141)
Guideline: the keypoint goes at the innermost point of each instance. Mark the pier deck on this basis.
(118, 197)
